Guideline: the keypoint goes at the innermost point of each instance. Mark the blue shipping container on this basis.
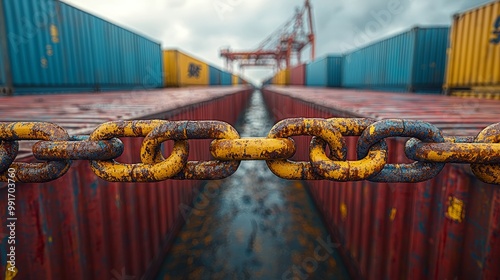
(325, 72)
(215, 76)
(226, 78)
(54, 47)
(5, 81)
(413, 61)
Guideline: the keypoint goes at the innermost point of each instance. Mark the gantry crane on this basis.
(279, 47)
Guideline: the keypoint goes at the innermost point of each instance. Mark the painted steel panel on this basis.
(226, 78)
(80, 227)
(475, 51)
(234, 80)
(182, 70)
(5, 77)
(282, 77)
(325, 72)
(55, 47)
(298, 75)
(215, 76)
(412, 61)
(444, 228)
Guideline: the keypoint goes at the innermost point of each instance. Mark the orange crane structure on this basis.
(279, 48)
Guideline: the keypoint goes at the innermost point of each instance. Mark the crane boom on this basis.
(280, 47)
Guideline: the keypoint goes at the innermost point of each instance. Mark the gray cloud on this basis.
(202, 27)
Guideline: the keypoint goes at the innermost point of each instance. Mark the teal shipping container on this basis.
(226, 78)
(325, 72)
(413, 61)
(214, 76)
(54, 47)
(5, 80)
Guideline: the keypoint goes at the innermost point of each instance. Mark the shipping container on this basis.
(474, 52)
(443, 228)
(412, 61)
(215, 76)
(81, 227)
(282, 78)
(234, 80)
(54, 47)
(182, 70)
(325, 72)
(226, 78)
(5, 79)
(298, 75)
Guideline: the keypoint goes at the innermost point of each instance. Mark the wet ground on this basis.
(253, 225)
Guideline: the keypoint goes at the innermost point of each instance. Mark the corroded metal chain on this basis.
(426, 146)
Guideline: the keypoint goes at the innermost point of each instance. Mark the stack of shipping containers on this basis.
(215, 76)
(48, 46)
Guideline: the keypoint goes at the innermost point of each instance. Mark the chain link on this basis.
(426, 146)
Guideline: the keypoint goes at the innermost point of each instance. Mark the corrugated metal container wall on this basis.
(445, 228)
(181, 70)
(326, 72)
(226, 78)
(234, 80)
(5, 81)
(54, 47)
(412, 61)
(282, 78)
(474, 54)
(298, 75)
(215, 76)
(81, 227)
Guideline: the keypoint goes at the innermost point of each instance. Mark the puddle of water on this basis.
(253, 225)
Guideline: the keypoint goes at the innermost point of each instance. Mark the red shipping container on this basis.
(81, 227)
(444, 228)
(298, 75)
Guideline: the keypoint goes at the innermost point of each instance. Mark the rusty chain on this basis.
(426, 146)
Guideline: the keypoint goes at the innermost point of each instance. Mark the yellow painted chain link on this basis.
(426, 147)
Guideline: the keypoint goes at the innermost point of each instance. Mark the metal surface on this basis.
(325, 72)
(282, 78)
(444, 228)
(54, 47)
(488, 172)
(414, 172)
(474, 51)
(81, 227)
(371, 147)
(182, 70)
(298, 75)
(235, 80)
(214, 76)
(78, 148)
(412, 61)
(252, 149)
(5, 72)
(226, 79)
(253, 226)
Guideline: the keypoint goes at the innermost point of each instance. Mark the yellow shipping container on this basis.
(282, 78)
(182, 70)
(235, 80)
(474, 53)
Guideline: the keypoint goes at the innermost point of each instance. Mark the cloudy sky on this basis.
(202, 27)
